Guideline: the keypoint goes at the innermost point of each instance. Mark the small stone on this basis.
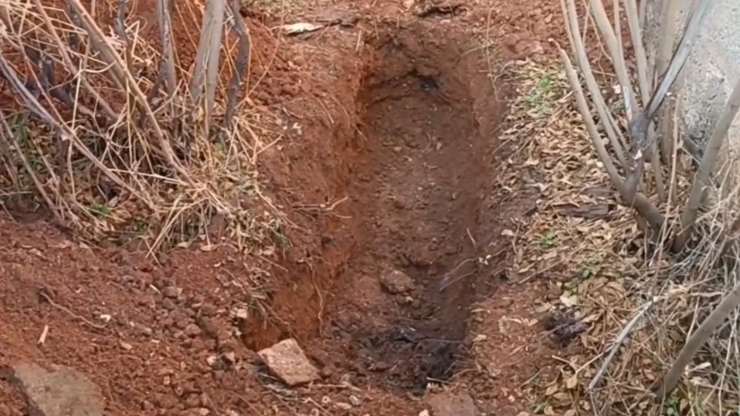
(327, 371)
(508, 411)
(396, 282)
(343, 406)
(171, 292)
(449, 404)
(287, 361)
(60, 391)
(198, 411)
(144, 330)
(229, 358)
(192, 330)
(354, 401)
(168, 304)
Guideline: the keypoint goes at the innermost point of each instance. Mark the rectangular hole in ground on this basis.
(422, 177)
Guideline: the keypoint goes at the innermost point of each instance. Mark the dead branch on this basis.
(574, 33)
(639, 127)
(242, 63)
(167, 69)
(706, 167)
(643, 206)
(70, 65)
(697, 339)
(669, 29)
(7, 135)
(205, 74)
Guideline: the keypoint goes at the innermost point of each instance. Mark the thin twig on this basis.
(617, 342)
(70, 313)
(698, 338)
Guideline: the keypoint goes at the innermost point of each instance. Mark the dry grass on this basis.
(612, 276)
(107, 127)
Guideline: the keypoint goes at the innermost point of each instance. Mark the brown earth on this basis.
(387, 160)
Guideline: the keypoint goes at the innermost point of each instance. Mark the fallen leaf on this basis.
(561, 397)
(569, 301)
(572, 382)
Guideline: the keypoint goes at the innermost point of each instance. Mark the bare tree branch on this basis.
(706, 167)
(697, 339)
(241, 65)
(167, 69)
(643, 206)
(205, 74)
(574, 33)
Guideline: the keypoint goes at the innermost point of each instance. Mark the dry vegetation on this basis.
(130, 136)
(663, 332)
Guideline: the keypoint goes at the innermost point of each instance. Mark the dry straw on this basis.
(678, 351)
(118, 133)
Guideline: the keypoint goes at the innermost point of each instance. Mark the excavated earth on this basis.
(386, 170)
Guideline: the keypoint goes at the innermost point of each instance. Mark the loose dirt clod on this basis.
(449, 404)
(396, 282)
(60, 392)
(287, 361)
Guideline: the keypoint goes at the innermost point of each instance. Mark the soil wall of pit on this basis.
(396, 172)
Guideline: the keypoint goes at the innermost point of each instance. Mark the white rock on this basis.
(287, 361)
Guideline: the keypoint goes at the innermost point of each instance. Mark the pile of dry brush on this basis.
(114, 131)
(696, 225)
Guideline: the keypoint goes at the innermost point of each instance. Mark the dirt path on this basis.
(393, 276)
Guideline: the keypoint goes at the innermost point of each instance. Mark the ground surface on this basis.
(388, 160)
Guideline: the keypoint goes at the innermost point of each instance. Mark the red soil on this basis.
(386, 161)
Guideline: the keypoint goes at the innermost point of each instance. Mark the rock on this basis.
(448, 404)
(343, 406)
(61, 391)
(229, 358)
(192, 330)
(396, 282)
(168, 304)
(508, 411)
(287, 361)
(171, 292)
(198, 411)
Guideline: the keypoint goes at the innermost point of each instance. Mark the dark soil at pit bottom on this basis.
(421, 175)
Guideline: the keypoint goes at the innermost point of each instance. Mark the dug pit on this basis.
(418, 226)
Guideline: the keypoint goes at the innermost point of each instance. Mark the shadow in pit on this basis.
(424, 169)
